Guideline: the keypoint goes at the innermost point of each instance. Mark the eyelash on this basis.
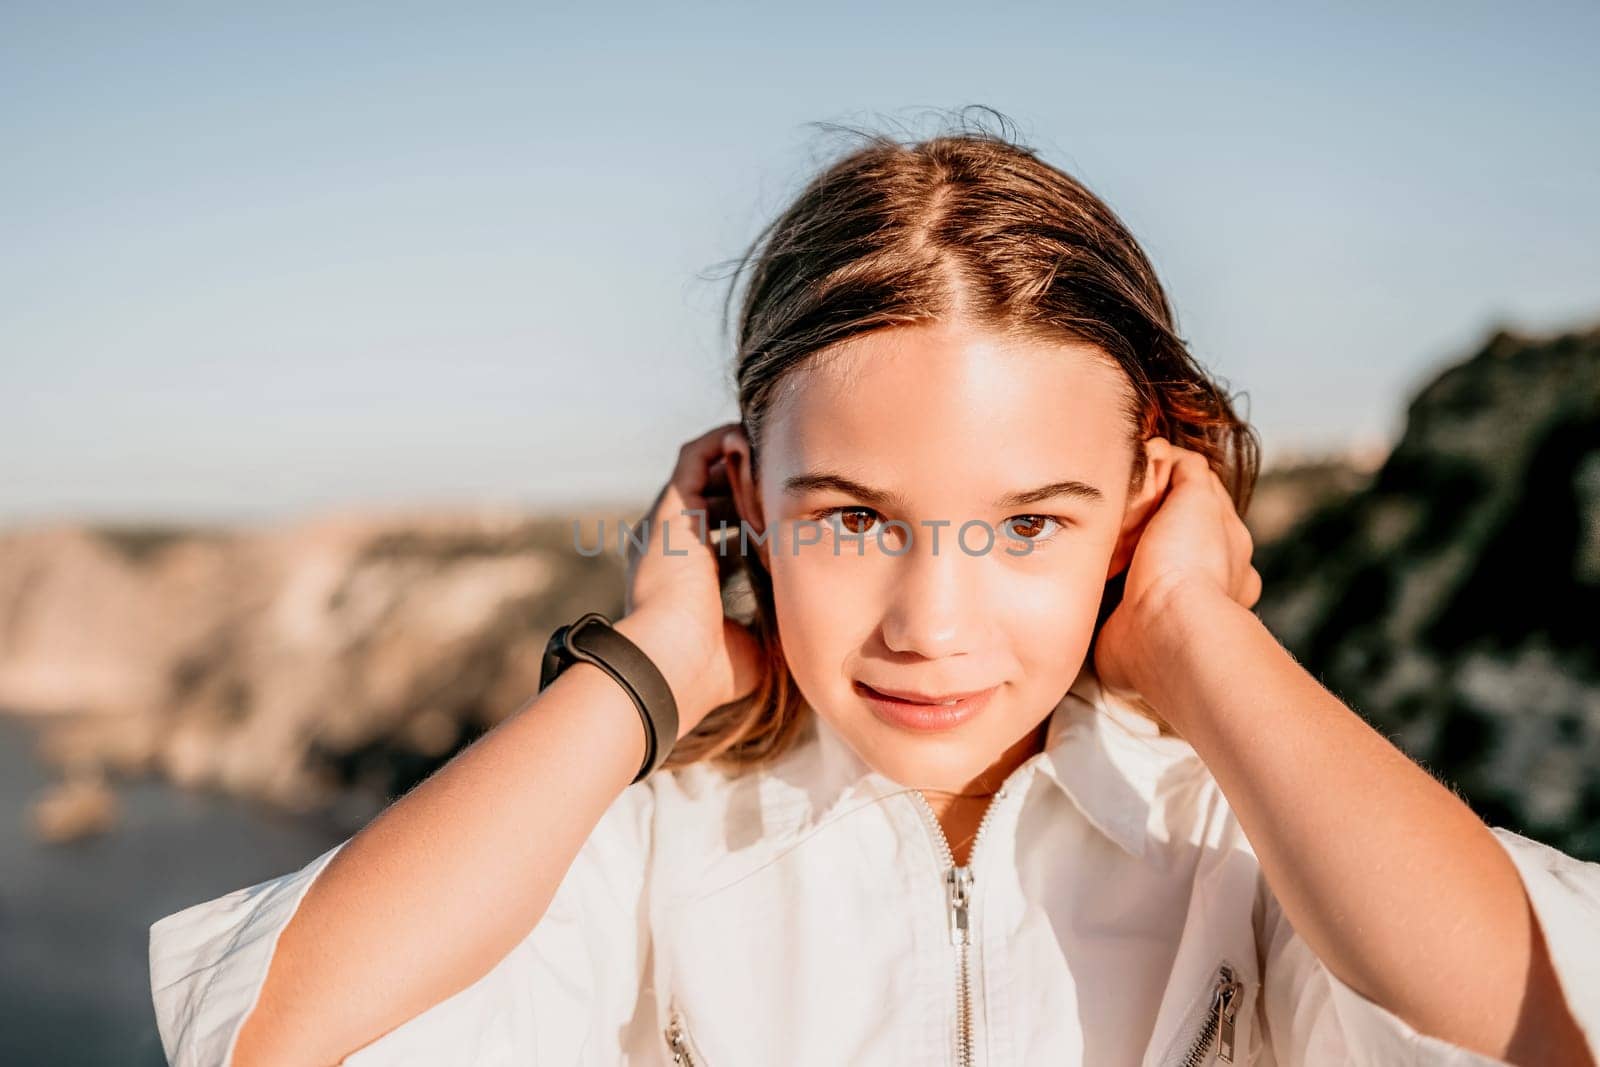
(1000, 536)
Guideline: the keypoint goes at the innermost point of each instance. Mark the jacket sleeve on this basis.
(567, 993)
(1312, 1017)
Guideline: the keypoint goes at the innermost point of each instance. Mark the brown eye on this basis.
(1028, 527)
(856, 521)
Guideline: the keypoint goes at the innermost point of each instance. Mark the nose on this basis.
(936, 606)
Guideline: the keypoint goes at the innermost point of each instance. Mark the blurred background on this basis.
(321, 324)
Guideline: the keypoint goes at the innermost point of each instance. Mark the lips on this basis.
(911, 696)
(920, 712)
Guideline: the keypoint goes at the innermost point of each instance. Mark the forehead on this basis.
(942, 407)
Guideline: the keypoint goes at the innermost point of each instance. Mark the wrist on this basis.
(1168, 616)
(662, 637)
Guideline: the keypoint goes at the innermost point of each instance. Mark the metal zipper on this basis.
(684, 1053)
(1219, 1021)
(958, 893)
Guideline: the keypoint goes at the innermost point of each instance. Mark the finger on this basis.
(1194, 468)
(722, 514)
(718, 479)
(1158, 448)
(695, 457)
(1189, 469)
(691, 480)
(716, 499)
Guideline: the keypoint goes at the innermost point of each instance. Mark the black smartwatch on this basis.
(592, 639)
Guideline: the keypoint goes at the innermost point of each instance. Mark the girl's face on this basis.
(902, 436)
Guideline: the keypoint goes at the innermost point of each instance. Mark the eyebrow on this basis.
(883, 500)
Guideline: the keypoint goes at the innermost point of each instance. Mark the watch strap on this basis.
(592, 638)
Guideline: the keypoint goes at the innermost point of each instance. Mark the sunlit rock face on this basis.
(288, 664)
(1455, 600)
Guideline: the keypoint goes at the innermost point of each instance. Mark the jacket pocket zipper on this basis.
(1218, 1025)
(684, 1052)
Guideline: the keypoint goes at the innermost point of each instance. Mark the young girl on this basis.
(1002, 769)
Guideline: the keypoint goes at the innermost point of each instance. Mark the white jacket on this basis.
(808, 913)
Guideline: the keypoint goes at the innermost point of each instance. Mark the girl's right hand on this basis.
(673, 607)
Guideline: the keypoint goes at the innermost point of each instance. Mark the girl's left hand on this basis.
(1193, 542)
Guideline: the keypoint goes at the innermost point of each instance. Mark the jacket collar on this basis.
(1106, 757)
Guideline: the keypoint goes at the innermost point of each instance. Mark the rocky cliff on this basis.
(286, 664)
(1455, 600)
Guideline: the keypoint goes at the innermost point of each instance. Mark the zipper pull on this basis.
(1230, 1009)
(959, 883)
(675, 1042)
(683, 1053)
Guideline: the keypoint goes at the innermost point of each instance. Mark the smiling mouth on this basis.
(927, 700)
(929, 712)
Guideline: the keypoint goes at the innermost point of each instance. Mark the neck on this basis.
(960, 812)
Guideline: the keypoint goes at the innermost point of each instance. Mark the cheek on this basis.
(1051, 599)
(1050, 614)
(823, 614)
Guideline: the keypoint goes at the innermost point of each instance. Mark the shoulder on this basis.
(713, 821)
(1193, 808)
(795, 778)
(1182, 804)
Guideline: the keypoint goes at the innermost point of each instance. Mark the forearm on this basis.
(440, 886)
(1390, 878)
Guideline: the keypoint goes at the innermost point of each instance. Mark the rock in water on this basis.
(79, 807)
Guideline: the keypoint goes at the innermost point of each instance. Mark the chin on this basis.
(945, 760)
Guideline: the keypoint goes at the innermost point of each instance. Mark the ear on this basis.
(1142, 505)
(745, 487)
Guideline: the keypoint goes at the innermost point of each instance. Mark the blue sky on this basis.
(256, 265)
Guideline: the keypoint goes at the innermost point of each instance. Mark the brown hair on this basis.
(970, 224)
